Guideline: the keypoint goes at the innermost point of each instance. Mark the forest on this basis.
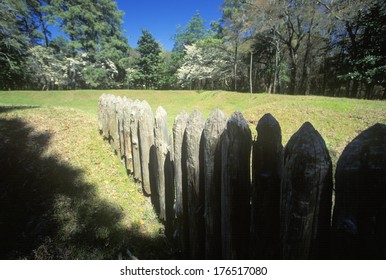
(327, 47)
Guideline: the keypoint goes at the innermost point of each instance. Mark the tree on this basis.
(94, 27)
(46, 69)
(13, 44)
(358, 28)
(236, 30)
(193, 31)
(295, 25)
(148, 63)
(167, 79)
(86, 22)
(206, 65)
(33, 22)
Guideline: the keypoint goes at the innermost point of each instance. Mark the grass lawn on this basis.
(64, 194)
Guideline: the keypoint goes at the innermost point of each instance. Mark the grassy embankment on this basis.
(65, 193)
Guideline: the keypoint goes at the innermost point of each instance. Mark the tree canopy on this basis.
(323, 47)
(146, 71)
(93, 54)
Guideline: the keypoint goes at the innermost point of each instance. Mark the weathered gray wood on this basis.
(146, 141)
(306, 190)
(121, 129)
(111, 118)
(134, 120)
(101, 110)
(191, 184)
(178, 135)
(163, 142)
(118, 141)
(113, 123)
(169, 195)
(235, 187)
(214, 128)
(359, 222)
(265, 192)
(105, 116)
(127, 105)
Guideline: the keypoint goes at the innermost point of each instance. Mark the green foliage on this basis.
(13, 43)
(146, 73)
(193, 31)
(190, 34)
(94, 28)
(34, 24)
(331, 47)
(94, 53)
(206, 65)
(293, 46)
(367, 61)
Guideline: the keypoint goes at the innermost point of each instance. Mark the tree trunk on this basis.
(44, 30)
(293, 73)
(235, 67)
(276, 73)
(292, 89)
(250, 74)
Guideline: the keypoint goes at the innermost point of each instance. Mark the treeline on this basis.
(333, 48)
(91, 53)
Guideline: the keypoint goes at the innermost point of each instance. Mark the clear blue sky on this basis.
(161, 17)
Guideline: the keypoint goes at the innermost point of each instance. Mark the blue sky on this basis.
(161, 18)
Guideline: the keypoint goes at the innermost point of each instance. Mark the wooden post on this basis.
(146, 141)
(306, 191)
(265, 193)
(359, 222)
(113, 123)
(235, 187)
(127, 107)
(164, 170)
(169, 195)
(101, 110)
(105, 117)
(214, 128)
(134, 119)
(111, 119)
(191, 184)
(119, 126)
(163, 144)
(178, 135)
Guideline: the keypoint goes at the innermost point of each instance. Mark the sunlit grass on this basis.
(115, 209)
(109, 207)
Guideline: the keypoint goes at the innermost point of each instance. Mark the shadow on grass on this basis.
(47, 211)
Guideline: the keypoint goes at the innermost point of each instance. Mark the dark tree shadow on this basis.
(47, 211)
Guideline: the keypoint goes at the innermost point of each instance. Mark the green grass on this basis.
(338, 119)
(72, 196)
(78, 200)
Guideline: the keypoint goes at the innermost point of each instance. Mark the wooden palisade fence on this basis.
(214, 206)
